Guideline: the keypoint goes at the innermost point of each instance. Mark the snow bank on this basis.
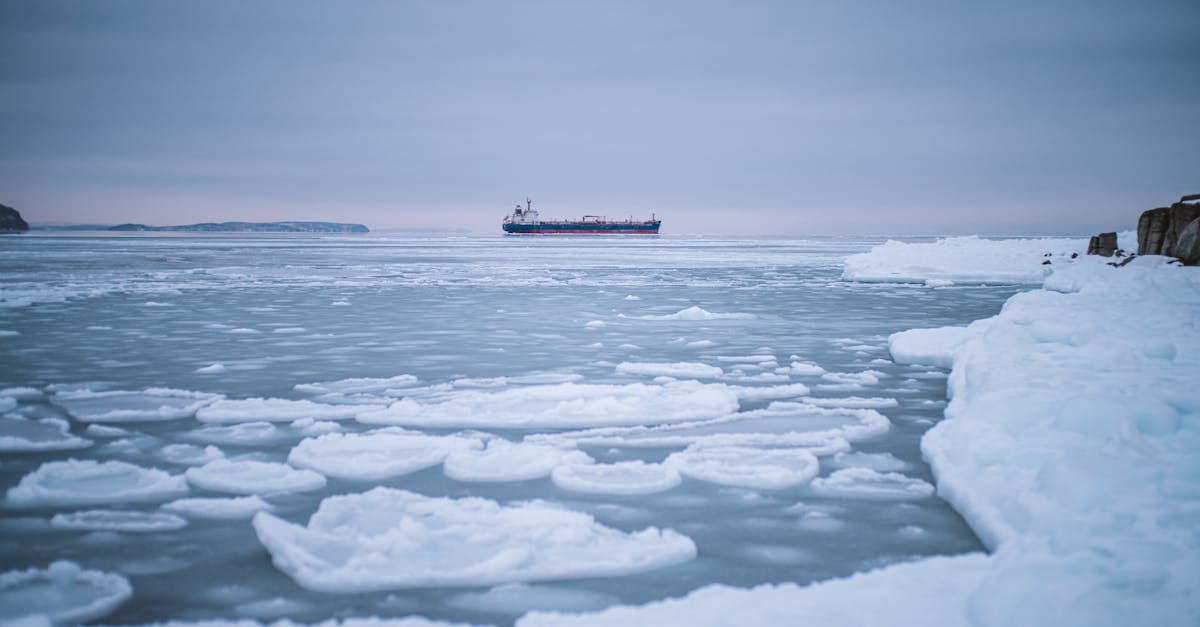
(64, 593)
(391, 539)
(376, 455)
(566, 405)
(1069, 446)
(765, 469)
(89, 482)
(251, 477)
(960, 260)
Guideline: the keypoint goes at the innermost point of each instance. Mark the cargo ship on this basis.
(525, 220)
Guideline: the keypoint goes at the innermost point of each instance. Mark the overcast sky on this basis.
(743, 117)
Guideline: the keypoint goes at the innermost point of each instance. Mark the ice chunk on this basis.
(64, 593)
(563, 406)
(854, 402)
(632, 477)
(929, 347)
(231, 508)
(211, 369)
(18, 433)
(153, 404)
(272, 410)
(118, 520)
(358, 385)
(864, 483)
(253, 477)
(507, 461)
(88, 482)
(390, 539)
(189, 454)
(244, 434)
(757, 468)
(802, 368)
(376, 455)
(691, 370)
(696, 313)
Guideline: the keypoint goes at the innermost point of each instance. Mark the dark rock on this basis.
(11, 221)
(1187, 247)
(1152, 229)
(1104, 244)
(1074, 255)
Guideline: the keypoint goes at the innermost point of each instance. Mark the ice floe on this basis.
(189, 454)
(89, 482)
(18, 433)
(509, 461)
(566, 405)
(688, 370)
(758, 468)
(695, 313)
(376, 455)
(64, 593)
(967, 260)
(118, 520)
(253, 477)
(241, 434)
(219, 508)
(868, 484)
(883, 462)
(153, 404)
(631, 477)
(359, 385)
(271, 410)
(391, 539)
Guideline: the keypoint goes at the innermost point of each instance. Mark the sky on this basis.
(746, 117)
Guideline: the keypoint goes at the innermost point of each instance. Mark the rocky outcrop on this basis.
(1104, 244)
(1171, 231)
(11, 221)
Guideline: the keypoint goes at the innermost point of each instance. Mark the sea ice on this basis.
(189, 454)
(564, 405)
(88, 482)
(242, 434)
(963, 260)
(882, 462)
(626, 478)
(64, 593)
(517, 598)
(253, 477)
(376, 455)
(392, 539)
(689, 370)
(696, 313)
(271, 410)
(509, 461)
(864, 483)
(153, 404)
(118, 520)
(358, 385)
(225, 508)
(18, 433)
(756, 468)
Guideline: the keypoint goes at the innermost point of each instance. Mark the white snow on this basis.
(961, 260)
(88, 482)
(153, 404)
(391, 539)
(758, 468)
(64, 593)
(253, 477)
(931, 347)
(868, 484)
(695, 313)
(118, 520)
(509, 461)
(222, 508)
(189, 454)
(244, 434)
(631, 477)
(376, 455)
(564, 405)
(359, 385)
(18, 433)
(690, 370)
(271, 410)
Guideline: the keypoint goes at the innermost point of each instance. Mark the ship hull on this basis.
(584, 228)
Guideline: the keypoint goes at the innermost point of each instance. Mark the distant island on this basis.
(11, 221)
(250, 227)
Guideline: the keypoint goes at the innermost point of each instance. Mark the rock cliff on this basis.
(11, 221)
(1172, 231)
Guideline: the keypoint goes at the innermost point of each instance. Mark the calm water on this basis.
(131, 313)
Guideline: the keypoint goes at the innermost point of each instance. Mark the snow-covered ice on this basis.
(390, 539)
(684, 370)
(865, 483)
(89, 482)
(377, 455)
(18, 433)
(152, 404)
(253, 477)
(766, 469)
(695, 313)
(64, 593)
(961, 260)
(631, 477)
(219, 508)
(271, 410)
(509, 461)
(118, 520)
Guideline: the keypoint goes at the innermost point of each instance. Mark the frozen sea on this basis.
(736, 397)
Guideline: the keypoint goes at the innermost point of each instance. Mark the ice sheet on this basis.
(962, 260)
(391, 539)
